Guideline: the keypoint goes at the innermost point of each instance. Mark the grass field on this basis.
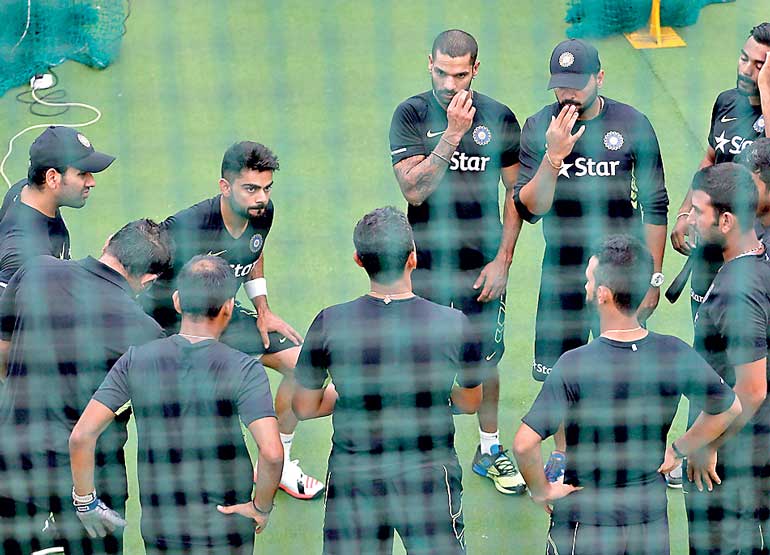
(318, 82)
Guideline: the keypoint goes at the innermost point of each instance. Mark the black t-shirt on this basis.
(393, 366)
(189, 400)
(198, 230)
(68, 322)
(26, 232)
(732, 327)
(735, 124)
(458, 226)
(612, 182)
(617, 400)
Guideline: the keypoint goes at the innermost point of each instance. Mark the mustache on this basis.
(257, 207)
(746, 80)
(571, 102)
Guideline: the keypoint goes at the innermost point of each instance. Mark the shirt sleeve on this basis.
(511, 140)
(702, 385)
(550, 407)
(8, 306)
(314, 358)
(472, 371)
(405, 138)
(648, 174)
(114, 391)
(253, 397)
(530, 157)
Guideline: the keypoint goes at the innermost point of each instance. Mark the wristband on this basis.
(444, 159)
(677, 452)
(453, 145)
(84, 503)
(550, 162)
(256, 287)
(260, 512)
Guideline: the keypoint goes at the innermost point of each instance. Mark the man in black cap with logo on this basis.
(605, 178)
(450, 148)
(61, 167)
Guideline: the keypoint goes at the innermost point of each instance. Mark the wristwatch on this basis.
(657, 279)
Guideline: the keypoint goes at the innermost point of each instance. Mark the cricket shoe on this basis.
(499, 468)
(298, 484)
(554, 468)
(674, 478)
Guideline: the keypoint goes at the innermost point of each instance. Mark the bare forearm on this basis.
(655, 236)
(749, 405)
(537, 195)
(420, 181)
(82, 464)
(268, 477)
(707, 428)
(530, 462)
(511, 229)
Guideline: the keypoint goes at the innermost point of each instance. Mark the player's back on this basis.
(394, 365)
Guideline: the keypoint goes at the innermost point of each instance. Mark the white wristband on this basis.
(255, 287)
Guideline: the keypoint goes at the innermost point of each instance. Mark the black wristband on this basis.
(677, 452)
(260, 512)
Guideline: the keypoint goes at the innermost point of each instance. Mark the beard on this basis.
(749, 87)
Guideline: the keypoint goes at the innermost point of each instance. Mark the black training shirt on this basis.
(612, 182)
(25, 232)
(617, 400)
(458, 226)
(189, 400)
(735, 124)
(393, 366)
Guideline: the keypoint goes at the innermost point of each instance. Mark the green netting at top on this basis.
(39, 34)
(601, 18)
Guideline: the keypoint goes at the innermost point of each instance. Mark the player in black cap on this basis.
(62, 162)
(234, 226)
(450, 146)
(737, 119)
(605, 178)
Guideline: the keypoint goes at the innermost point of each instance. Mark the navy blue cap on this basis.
(60, 147)
(573, 62)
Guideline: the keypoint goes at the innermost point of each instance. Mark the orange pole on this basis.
(655, 21)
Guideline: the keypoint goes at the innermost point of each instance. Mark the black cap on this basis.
(60, 147)
(573, 62)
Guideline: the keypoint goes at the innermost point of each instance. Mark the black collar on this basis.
(92, 265)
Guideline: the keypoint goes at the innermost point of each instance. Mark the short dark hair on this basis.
(383, 239)
(761, 33)
(204, 285)
(36, 175)
(248, 155)
(756, 157)
(625, 268)
(730, 188)
(142, 247)
(456, 43)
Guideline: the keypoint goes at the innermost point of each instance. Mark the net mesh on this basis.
(40, 34)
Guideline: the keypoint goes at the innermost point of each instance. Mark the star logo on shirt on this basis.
(564, 167)
(721, 142)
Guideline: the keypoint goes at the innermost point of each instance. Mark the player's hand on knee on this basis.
(268, 322)
(97, 518)
(559, 137)
(680, 236)
(553, 492)
(459, 116)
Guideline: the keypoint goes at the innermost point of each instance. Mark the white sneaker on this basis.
(298, 484)
(674, 478)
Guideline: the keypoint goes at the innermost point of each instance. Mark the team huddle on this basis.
(152, 329)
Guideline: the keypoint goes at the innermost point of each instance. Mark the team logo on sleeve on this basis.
(759, 125)
(566, 59)
(482, 135)
(83, 141)
(255, 243)
(613, 140)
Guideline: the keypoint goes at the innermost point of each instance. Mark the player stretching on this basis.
(450, 146)
(606, 177)
(234, 226)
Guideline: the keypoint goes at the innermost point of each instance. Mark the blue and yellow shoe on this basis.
(499, 468)
(554, 468)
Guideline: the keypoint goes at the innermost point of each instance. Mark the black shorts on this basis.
(576, 538)
(455, 289)
(563, 321)
(423, 504)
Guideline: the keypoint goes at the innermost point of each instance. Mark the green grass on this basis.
(318, 82)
